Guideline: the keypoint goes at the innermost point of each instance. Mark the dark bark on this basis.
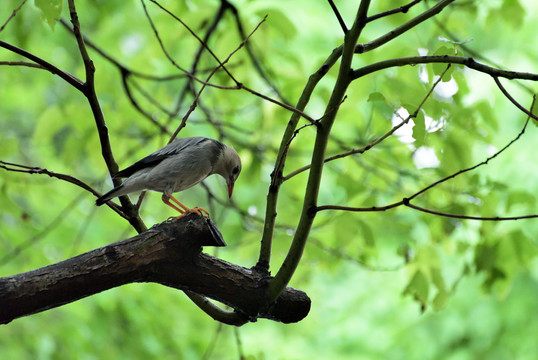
(170, 254)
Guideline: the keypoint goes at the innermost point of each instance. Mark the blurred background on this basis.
(398, 284)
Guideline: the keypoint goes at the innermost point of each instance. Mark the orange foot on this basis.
(195, 210)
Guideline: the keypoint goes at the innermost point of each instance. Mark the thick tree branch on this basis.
(169, 254)
(308, 212)
(276, 175)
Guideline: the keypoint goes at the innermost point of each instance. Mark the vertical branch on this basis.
(286, 271)
(88, 90)
(277, 174)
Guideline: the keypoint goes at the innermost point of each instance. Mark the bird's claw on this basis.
(199, 211)
(196, 210)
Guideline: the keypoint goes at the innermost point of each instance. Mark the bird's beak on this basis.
(230, 189)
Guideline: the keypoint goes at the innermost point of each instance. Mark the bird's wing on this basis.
(165, 152)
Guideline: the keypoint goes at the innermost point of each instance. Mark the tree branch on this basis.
(402, 9)
(71, 79)
(406, 201)
(444, 59)
(338, 16)
(68, 178)
(434, 10)
(276, 175)
(22, 63)
(106, 150)
(380, 139)
(467, 217)
(168, 254)
(13, 13)
(308, 212)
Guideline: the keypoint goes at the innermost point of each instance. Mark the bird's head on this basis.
(230, 167)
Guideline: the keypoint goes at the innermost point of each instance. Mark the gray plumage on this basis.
(177, 167)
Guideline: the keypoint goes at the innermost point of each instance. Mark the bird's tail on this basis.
(109, 195)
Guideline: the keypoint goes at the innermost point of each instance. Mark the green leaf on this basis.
(380, 104)
(437, 278)
(418, 287)
(376, 96)
(439, 68)
(510, 12)
(439, 301)
(485, 257)
(456, 155)
(279, 20)
(520, 197)
(488, 115)
(51, 10)
(419, 130)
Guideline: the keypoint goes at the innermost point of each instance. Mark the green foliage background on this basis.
(388, 285)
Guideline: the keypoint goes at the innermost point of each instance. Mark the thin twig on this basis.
(466, 217)
(434, 10)
(279, 103)
(221, 64)
(444, 59)
(172, 61)
(8, 166)
(238, 86)
(118, 64)
(512, 100)
(216, 312)
(193, 105)
(71, 79)
(377, 141)
(485, 162)
(137, 106)
(402, 9)
(240, 351)
(338, 17)
(213, 343)
(23, 63)
(189, 85)
(252, 56)
(406, 201)
(13, 13)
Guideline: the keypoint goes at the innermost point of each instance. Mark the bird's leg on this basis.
(183, 206)
(166, 199)
(186, 210)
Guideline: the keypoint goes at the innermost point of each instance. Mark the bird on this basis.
(178, 166)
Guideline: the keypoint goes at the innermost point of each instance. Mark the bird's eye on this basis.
(235, 170)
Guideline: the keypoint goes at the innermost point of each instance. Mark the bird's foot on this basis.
(196, 210)
(199, 211)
